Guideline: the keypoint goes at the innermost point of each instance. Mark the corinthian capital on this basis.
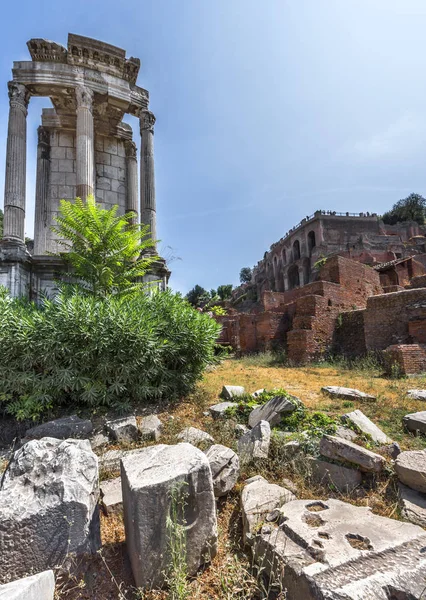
(130, 148)
(84, 97)
(19, 96)
(147, 121)
(43, 135)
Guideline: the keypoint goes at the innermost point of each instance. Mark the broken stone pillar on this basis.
(37, 587)
(42, 228)
(148, 206)
(132, 179)
(85, 137)
(16, 157)
(150, 479)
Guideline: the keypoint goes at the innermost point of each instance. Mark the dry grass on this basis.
(108, 577)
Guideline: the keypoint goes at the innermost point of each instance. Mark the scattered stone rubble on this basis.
(362, 423)
(232, 391)
(411, 469)
(225, 468)
(123, 430)
(62, 429)
(195, 436)
(340, 449)
(218, 411)
(416, 422)
(273, 411)
(255, 443)
(417, 394)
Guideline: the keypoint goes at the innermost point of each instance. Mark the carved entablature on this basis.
(102, 57)
(46, 51)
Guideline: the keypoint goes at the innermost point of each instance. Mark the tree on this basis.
(107, 252)
(245, 275)
(1, 223)
(412, 208)
(224, 291)
(197, 295)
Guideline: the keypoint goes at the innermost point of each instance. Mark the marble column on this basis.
(132, 179)
(16, 159)
(148, 206)
(42, 222)
(85, 138)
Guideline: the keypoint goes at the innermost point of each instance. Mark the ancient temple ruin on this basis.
(84, 148)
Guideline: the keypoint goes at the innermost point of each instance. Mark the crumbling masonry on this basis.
(346, 284)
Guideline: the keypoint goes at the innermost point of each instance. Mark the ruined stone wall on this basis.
(387, 317)
(110, 159)
(349, 334)
(403, 359)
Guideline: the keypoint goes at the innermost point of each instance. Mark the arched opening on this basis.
(296, 250)
(311, 242)
(293, 277)
(284, 256)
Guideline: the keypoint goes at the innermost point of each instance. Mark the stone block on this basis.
(366, 426)
(150, 428)
(273, 411)
(99, 143)
(99, 440)
(118, 161)
(112, 495)
(240, 430)
(218, 411)
(103, 183)
(340, 449)
(121, 175)
(148, 480)
(225, 468)
(345, 480)
(71, 179)
(61, 429)
(232, 391)
(111, 197)
(57, 178)
(37, 587)
(110, 460)
(111, 172)
(66, 139)
(54, 165)
(110, 145)
(102, 158)
(416, 422)
(259, 498)
(347, 393)
(417, 394)
(57, 152)
(123, 430)
(66, 192)
(66, 165)
(48, 506)
(410, 468)
(121, 151)
(331, 550)
(195, 436)
(412, 505)
(255, 443)
(345, 433)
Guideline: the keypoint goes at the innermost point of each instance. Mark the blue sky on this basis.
(266, 111)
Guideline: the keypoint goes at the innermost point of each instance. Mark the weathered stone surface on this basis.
(37, 587)
(240, 429)
(148, 480)
(48, 505)
(123, 430)
(110, 460)
(347, 393)
(218, 411)
(413, 505)
(342, 478)
(410, 468)
(393, 450)
(150, 428)
(112, 495)
(272, 411)
(225, 468)
(257, 393)
(61, 429)
(255, 443)
(363, 423)
(195, 436)
(259, 498)
(332, 550)
(232, 391)
(416, 422)
(99, 440)
(345, 433)
(417, 394)
(339, 449)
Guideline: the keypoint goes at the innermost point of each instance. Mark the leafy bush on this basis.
(79, 349)
(219, 311)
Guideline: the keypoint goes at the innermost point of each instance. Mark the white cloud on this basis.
(401, 138)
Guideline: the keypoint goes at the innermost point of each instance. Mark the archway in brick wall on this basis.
(296, 250)
(311, 242)
(293, 277)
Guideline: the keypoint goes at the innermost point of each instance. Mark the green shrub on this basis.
(82, 350)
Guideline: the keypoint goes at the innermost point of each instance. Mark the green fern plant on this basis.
(108, 254)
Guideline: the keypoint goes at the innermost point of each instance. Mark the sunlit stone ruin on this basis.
(84, 148)
(337, 283)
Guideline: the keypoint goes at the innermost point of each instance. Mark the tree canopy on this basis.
(225, 291)
(107, 252)
(245, 275)
(412, 208)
